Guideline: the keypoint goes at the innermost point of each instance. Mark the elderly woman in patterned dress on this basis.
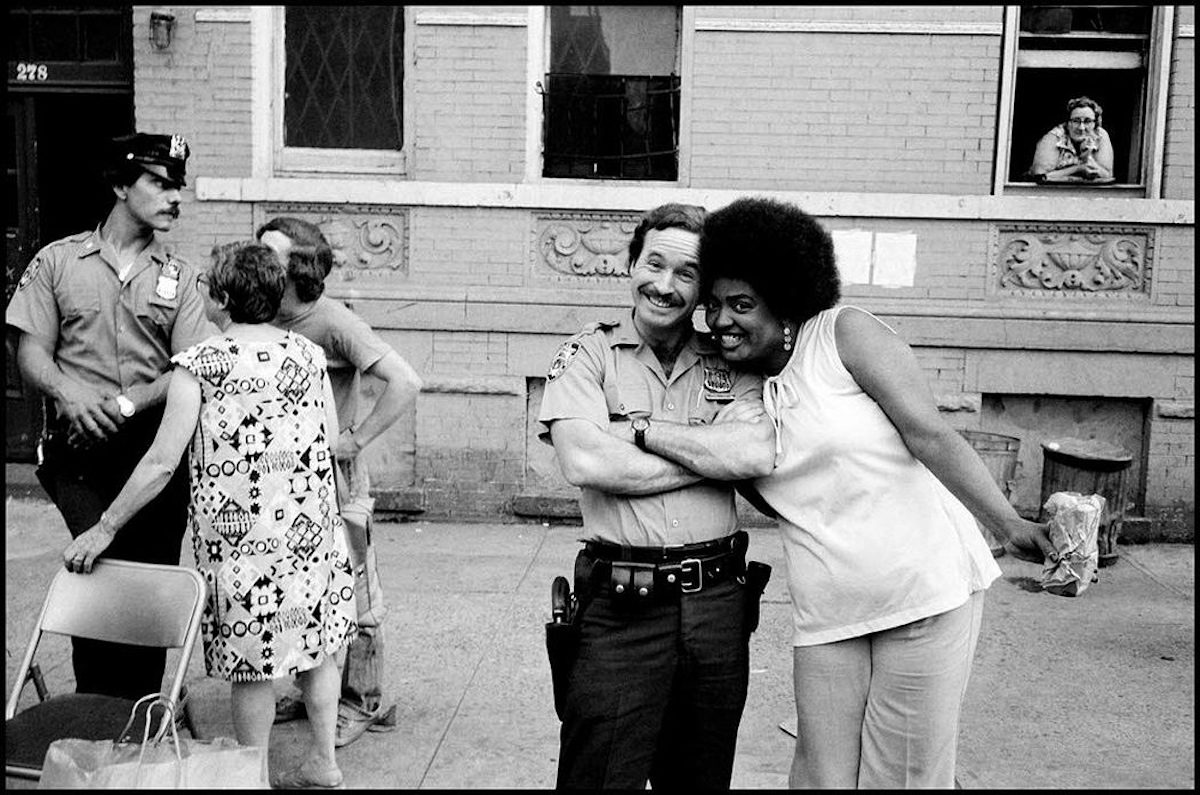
(256, 406)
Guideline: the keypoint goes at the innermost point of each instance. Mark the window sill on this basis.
(1112, 190)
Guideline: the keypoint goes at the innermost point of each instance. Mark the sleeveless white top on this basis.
(872, 539)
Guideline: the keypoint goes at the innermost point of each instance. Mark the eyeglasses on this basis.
(1083, 122)
(202, 280)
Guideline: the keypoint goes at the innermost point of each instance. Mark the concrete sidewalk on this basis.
(1096, 691)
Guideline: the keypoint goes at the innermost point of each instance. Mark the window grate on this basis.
(344, 77)
(611, 126)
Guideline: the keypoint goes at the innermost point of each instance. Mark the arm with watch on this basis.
(738, 444)
(401, 386)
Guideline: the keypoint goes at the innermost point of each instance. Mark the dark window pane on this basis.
(101, 37)
(55, 37)
(611, 126)
(344, 77)
(70, 33)
(611, 97)
(1086, 19)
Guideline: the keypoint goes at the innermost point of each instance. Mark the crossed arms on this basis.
(739, 444)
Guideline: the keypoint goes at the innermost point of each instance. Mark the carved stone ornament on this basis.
(369, 242)
(1061, 260)
(584, 244)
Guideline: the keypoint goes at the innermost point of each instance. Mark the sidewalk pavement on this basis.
(1096, 691)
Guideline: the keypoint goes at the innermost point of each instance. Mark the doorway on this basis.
(57, 128)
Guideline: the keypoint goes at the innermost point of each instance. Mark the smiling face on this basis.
(153, 200)
(666, 279)
(1081, 123)
(744, 328)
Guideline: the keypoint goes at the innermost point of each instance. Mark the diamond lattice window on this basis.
(344, 77)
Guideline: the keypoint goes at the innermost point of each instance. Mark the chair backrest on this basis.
(143, 604)
(137, 603)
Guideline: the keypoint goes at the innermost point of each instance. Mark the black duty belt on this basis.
(689, 568)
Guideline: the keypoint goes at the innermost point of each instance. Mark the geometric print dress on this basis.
(263, 511)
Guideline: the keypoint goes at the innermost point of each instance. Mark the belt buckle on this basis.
(686, 568)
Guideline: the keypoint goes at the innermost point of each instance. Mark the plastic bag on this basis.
(154, 763)
(1074, 530)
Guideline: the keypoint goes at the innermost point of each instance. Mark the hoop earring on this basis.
(787, 337)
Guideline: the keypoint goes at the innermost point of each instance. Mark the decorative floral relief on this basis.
(1065, 261)
(367, 242)
(584, 244)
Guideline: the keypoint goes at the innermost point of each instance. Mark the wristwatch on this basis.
(640, 425)
(126, 406)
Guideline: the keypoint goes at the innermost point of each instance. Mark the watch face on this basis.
(640, 424)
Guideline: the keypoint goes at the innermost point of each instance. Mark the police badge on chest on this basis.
(168, 281)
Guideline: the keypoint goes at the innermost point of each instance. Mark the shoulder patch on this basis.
(30, 272)
(566, 352)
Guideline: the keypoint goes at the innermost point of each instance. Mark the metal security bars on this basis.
(610, 126)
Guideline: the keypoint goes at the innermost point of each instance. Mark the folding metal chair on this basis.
(120, 601)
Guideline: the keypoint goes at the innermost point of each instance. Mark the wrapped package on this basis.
(1074, 529)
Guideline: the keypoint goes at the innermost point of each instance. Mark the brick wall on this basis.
(844, 112)
(1179, 173)
(469, 91)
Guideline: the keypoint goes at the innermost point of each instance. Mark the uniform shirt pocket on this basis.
(79, 311)
(160, 312)
(630, 398)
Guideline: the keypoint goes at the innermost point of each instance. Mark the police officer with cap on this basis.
(649, 422)
(99, 315)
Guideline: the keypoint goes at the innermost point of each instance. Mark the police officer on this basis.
(652, 426)
(99, 314)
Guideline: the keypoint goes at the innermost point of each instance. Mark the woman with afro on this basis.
(875, 493)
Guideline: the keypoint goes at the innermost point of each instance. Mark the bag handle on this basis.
(166, 725)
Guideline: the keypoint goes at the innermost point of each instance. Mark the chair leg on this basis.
(39, 684)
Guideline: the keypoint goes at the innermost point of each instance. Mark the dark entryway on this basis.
(70, 86)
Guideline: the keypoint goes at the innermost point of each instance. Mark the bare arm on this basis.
(149, 477)
(885, 367)
(591, 457)
(728, 449)
(401, 385)
(90, 411)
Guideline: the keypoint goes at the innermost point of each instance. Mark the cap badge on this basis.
(178, 147)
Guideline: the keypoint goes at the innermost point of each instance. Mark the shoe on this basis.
(289, 709)
(352, 723)
(297, 779)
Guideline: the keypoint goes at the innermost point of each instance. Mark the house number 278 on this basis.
(31, 71)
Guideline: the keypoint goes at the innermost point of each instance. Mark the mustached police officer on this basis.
(99, 314)
(637, 412)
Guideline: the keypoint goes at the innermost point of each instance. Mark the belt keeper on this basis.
(631, 580)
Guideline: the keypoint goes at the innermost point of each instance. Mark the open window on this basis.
(342, 89)
(610, 99)
(1112, 54)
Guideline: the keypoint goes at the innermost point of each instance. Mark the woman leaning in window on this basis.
(1076, 150)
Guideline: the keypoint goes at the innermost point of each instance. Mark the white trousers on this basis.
(881, 710)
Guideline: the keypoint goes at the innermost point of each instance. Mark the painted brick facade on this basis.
(881, 119)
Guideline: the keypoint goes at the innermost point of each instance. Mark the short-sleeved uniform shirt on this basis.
(109, 334)
(351, 346)
(607, 372)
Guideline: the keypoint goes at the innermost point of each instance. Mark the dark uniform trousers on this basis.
(83, 483)
(657, 690)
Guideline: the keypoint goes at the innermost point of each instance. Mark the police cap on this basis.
(169, 151)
